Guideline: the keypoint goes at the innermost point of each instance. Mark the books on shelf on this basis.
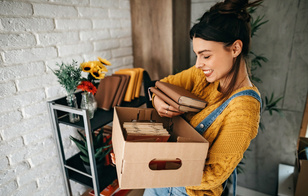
(123, 85)
(181, 95)
(106, 92)
(134, 85)
(121, 90)
(145, 132)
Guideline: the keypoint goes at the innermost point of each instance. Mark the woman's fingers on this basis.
(164, 109)
(113, 158)
(170, 113)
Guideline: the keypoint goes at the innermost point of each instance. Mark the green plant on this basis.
(101, 147)
(69, 75)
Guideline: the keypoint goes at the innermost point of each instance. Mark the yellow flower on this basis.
(100, 66)
(98, 73)
(86, 67)
(104, 61)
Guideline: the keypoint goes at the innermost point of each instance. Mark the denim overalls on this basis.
(206, 123)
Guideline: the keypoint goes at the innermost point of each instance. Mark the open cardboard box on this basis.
(301, 170)
(133, 158)
(301, 163)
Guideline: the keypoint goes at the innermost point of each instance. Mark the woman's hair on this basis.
(227, 22)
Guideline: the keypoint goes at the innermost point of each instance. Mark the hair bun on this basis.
(236, 7)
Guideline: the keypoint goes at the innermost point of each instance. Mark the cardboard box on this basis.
(301, 162)
(301, 169)
(133, 158)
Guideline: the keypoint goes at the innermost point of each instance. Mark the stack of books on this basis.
(178, 97)
(145, 132)
(123, 85)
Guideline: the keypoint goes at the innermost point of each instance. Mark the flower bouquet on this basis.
(70, 78)
(96, 70)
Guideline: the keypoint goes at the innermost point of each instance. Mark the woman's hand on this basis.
(113, 158)
(165, 110)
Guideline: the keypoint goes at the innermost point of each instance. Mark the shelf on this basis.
(101, 117)
(106, 176)
(74, 169)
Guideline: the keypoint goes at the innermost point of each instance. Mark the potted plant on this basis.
(101, 149)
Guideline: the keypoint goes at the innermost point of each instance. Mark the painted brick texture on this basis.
(35, 34)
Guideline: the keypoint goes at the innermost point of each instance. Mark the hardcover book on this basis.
(171, 102)
(119, 97)
(131, 88)
(181, 95)
(106, 92)
(134, 85)
(139, 81)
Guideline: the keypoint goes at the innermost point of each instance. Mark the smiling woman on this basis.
(215, 56)
(221, 42)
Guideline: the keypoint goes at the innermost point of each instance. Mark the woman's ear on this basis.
(237, 48)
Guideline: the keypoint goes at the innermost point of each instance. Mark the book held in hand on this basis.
(171, 102)
(181, 95)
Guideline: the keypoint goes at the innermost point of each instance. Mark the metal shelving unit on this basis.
(72, 167)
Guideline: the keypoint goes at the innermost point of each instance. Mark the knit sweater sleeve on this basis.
(229, 136)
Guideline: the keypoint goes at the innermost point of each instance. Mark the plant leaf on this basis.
(82, 136)
(80, 145)
(84, 158)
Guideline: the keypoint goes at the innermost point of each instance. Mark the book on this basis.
(121, 90)
(139, 82)
(106, 91)
(171, 102)
(145, 132)
(181, 95)
(135, 82)
(131, 88)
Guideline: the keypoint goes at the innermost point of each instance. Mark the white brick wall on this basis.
(34, 34)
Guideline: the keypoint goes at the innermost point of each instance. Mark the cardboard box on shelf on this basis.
(133, 158)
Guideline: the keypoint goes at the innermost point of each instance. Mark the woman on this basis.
(221, 43)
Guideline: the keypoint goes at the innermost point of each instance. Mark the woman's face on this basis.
(213, 59)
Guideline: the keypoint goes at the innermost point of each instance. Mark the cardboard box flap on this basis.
(182, 127)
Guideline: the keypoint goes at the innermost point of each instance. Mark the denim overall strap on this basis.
(206, 123)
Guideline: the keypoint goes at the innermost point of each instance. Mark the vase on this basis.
(88, 103)
(72, 102)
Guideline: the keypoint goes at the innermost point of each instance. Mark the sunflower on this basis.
(86, 67)
(98, 73)
(101, 66)
(104, 61)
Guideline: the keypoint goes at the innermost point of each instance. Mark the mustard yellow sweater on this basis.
(230, 134)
